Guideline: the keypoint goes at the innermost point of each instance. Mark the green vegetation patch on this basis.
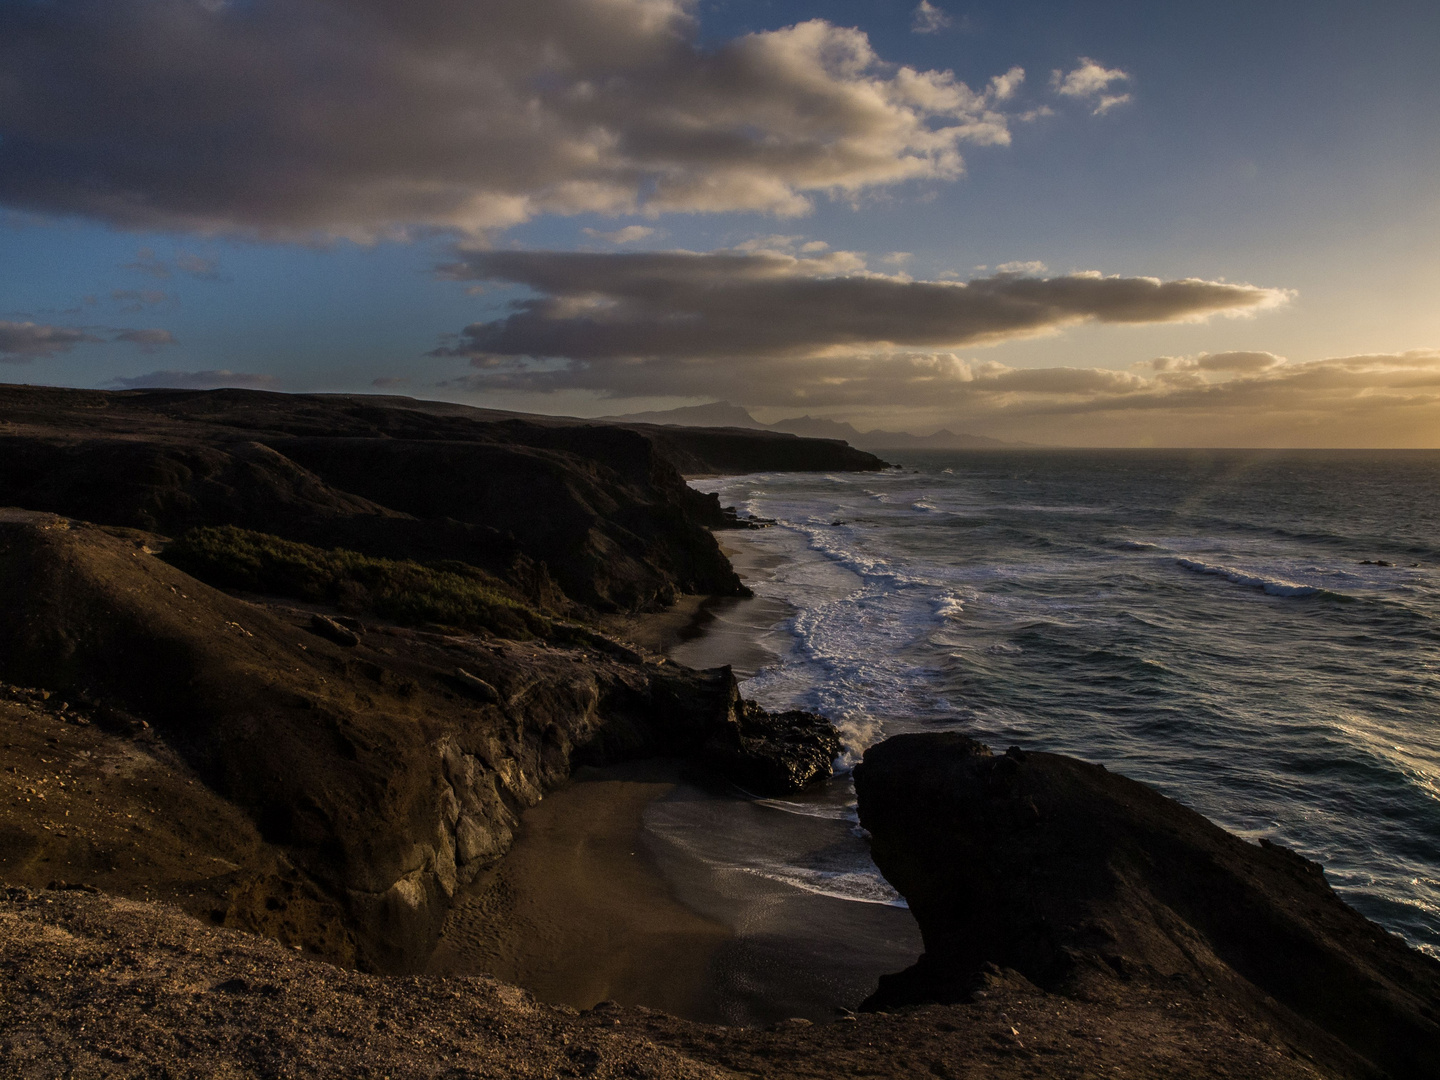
(450, 593)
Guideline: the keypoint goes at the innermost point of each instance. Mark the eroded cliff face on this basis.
(572, 513)
(388, 771)
(1094, 887)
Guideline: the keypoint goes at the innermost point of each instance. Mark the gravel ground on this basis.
(94, 986)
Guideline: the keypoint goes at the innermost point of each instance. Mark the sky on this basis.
(1105, 224)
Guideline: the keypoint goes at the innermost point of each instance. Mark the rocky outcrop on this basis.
(598, 512)
(767, 752)
(389, 765)
(1096, 888)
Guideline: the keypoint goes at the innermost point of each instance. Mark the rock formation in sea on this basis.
(1096, 888)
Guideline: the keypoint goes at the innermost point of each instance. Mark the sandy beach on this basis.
(617, 887)
(577, 911)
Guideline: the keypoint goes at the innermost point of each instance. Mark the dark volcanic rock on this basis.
(773, 753)
(602, 509)
(391, 768)
(1086, 882)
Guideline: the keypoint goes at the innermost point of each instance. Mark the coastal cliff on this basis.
(569, 512)
(412, 652)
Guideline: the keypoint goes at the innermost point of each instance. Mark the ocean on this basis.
(1255, 634)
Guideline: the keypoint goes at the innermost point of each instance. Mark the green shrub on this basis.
(450, 593)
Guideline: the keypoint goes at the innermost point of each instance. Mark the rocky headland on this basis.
(280, 674)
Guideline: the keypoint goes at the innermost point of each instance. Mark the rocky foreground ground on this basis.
(94, 986)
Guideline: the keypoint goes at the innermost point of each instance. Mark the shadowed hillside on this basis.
(598, 512)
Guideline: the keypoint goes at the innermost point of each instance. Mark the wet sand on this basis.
(636, 885)
(577, 912)
(739, 631)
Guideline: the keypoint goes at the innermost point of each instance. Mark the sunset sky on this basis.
(1082, 223)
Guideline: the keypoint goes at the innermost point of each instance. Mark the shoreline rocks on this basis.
(1094, 887)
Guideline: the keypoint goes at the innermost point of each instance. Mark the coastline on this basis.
(606, 895)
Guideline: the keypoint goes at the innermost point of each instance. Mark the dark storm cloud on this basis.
(365, 118)
(793, 328)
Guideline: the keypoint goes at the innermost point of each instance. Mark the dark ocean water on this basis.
(1256, 634)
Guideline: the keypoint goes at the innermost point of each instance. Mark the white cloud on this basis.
(928, 19)
(1091, 82)
(1224, 361)
(1031, 267)
(374, 118)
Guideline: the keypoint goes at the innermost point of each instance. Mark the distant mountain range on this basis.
(724, 414)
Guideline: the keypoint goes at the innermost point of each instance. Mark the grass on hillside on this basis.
(449, 593)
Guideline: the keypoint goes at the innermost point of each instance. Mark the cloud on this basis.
(789, 327)
(1091, 82)
(628, 235)
(147, 262)
(197, 380)
(198, 266)
(139, 299)
(1031, 267)
(928, 19)
(1377, 399)
(22, 342)
(1225, 361)
(149, 341)
(375, 118)
(387, 381)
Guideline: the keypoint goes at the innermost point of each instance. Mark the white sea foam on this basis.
(861, 886)
(1017, 613)
(1272, 586)
(828, 811)
(949, 607)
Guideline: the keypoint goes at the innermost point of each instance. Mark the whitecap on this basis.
(949, 607)
(1271, 586)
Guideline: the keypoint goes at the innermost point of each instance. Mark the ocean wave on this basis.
(826, 811)
(949, 607)
(1271, 586)
(860, 886)
(1135, 545)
